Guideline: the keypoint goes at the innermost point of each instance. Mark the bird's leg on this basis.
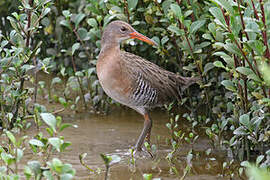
(145, 134)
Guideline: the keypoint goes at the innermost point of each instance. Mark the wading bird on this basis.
(132, 80)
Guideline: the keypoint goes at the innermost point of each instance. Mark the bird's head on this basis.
(118, 31)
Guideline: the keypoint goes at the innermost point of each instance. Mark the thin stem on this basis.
(192, 14)
(126, 10)
(80, 83)
(264, 34)
(28, 37)
(36, 81)
(84, 46)
(255, 10)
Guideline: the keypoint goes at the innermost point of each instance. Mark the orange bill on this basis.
(136, 35)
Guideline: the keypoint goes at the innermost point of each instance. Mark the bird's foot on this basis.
(144, 151)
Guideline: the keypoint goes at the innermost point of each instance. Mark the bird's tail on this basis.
(188, 81)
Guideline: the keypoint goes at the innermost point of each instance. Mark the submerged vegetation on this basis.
(226, 43)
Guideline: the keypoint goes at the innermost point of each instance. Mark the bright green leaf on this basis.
(49, 119)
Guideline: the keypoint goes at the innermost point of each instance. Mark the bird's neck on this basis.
(109, 48)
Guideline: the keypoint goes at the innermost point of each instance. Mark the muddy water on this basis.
(117, 132)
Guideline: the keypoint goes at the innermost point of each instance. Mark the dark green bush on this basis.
(226, 43)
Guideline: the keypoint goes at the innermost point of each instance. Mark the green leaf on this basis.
(244, 70)
(217, 13)
(259, 159)
(244, 120)
(245, 164)
(115, 159)
(226, 5)
(36, 142)
(147, 176)
(132, 4)
(64, 146)
(249, 73)
(83, 34)
(106, 159)
(11, 137)
(63, 101)
(228, 59)
(254, 77)
(228, 85)
(56, 80)
(57, 165)
(177, 11)
(48, 175)
(208, 67)
(196, 25)
(232, 48)
(176, 30)
(49, 119)
(219, 64)
(240, 131)
(66, 13)
(75, 47)
(258, 46)
(19, 154)
(65, 23)
(79, 74)
(64, 126)
(79, 17)
(46, 11)
(256, 173)
(66, 176)
(7, 158)
(92, 22)
(34, 166)
(187, 13)
(56, 143)
(27, 172)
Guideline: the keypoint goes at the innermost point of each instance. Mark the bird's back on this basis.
(151, 85)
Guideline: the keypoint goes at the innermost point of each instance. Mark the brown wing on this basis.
(152, 85)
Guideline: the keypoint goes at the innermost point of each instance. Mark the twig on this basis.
(58, 111)
(264, 34)
(126, 10)
(18, 101)
(79, 81)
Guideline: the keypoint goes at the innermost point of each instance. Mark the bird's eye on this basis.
(123, 29)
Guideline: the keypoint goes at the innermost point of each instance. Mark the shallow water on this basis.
(116, 133)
